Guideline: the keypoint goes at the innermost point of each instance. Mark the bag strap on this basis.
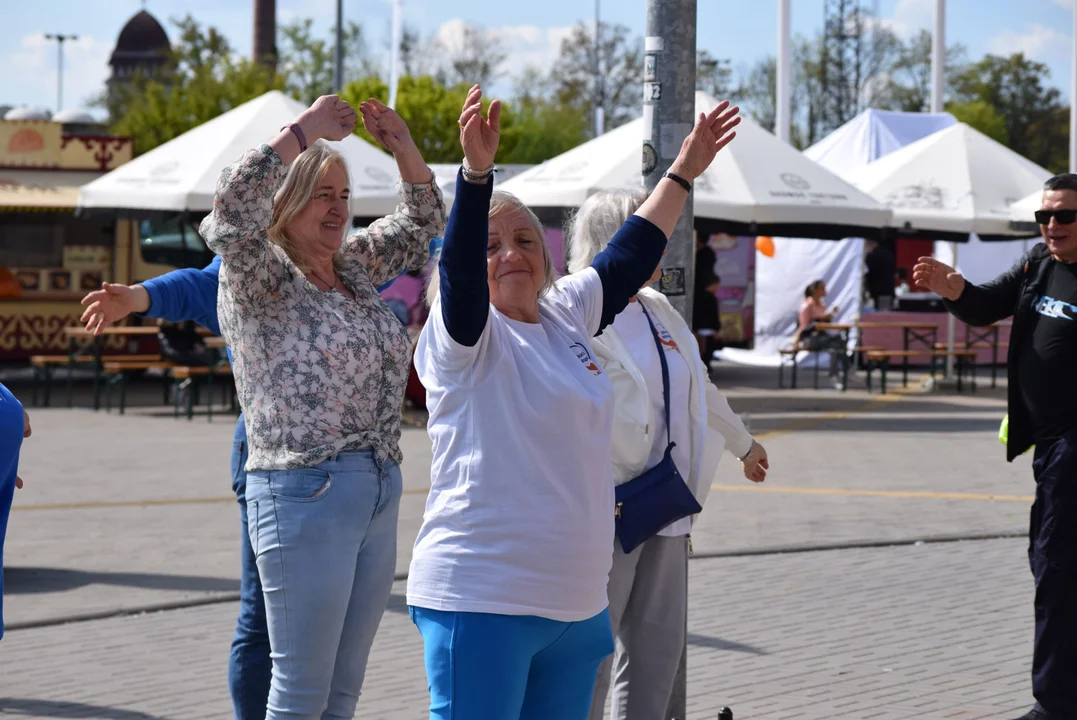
(661, 359)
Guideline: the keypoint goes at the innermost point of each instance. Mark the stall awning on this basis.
(37, 198)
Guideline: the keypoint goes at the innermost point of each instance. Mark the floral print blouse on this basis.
(317, 373)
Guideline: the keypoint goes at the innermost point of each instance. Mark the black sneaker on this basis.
(1034, 714)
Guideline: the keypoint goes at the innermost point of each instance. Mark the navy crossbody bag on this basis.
(659, 496)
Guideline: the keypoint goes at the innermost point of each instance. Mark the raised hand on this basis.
(713, 131)
(479, 136)
(385, 126)
(755, 466)
(112, 303)
(329, 118)
(939, 278)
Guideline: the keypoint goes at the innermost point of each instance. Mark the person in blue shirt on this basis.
(191, 294)
(14, 427)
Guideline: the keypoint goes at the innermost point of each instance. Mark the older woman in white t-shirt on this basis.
(647, 586)
(508, 576)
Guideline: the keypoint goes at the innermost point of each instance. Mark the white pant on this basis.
(648, 605)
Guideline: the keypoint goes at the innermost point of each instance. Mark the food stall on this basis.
(49, 255)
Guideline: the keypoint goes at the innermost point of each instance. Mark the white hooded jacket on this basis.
(714, 425)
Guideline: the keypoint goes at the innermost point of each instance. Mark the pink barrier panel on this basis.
(892, 338)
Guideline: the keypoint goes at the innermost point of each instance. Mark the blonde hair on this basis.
(597, 221)
(502, 203)
(297, 190)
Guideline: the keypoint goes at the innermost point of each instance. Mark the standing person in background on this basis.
(647, 585)
(1040, 293)
(706, 319)
(14, 428)
(879, 276)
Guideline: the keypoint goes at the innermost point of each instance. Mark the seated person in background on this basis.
(812, 311)
(181, 343)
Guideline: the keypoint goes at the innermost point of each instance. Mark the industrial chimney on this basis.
(265, 33)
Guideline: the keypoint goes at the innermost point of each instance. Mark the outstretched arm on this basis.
(632, 255)
(186, 294)
(976, 305)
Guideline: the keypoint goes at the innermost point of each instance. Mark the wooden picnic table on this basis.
(924, 333)
(81, 342)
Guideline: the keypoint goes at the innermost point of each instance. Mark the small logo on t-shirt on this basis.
(666, 339)
(1049, 307)
(585, 357)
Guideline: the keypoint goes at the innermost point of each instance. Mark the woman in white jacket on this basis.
(647, 587)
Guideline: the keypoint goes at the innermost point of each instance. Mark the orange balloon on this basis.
(765, 245)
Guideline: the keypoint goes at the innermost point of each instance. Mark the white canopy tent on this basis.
(756, 185)
(957, 185)
(182, 174)
(781, 279)
(1022, 212)
(952, 183)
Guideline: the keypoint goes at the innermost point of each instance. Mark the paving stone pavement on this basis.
(934, 631)
(132, 512)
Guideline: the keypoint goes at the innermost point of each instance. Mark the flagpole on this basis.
(783, 107)
(394, 53)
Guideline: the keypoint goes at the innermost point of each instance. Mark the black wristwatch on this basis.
(680, 181)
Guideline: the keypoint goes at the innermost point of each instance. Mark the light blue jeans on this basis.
(325, 542)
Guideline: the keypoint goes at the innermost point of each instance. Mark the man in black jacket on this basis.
(1040, 292)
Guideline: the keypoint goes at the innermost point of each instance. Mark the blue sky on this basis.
(743, 31)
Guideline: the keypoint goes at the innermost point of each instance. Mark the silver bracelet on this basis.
(475, 174)
(750, 448)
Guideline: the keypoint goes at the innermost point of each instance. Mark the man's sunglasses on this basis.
(1062, 217)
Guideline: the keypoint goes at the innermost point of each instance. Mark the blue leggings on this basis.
(502, 667)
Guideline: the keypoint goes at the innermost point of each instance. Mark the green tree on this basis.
(1032, 112)
(533, 128)
(308, 62)
(907, 86)
(713, 76)
(429, 107)
(541, 127)
(203, 80)
(475, 56)
(620, 57)
(983, 116)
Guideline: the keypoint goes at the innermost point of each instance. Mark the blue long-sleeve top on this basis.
(191, 294)
(12, 426)
(623, 266)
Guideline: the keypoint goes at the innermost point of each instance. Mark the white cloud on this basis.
(1037, 41)
(1064, 3)
(34, 64)
(910, 17)
(524, 45)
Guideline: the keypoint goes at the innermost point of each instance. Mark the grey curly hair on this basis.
(597, 221)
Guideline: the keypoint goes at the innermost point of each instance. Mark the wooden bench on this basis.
(116, 373)
(788, 356)
(43, 366)
(185, 380)
(965, 363)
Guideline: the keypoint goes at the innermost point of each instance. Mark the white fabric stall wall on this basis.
(981, 261)
(780, 280)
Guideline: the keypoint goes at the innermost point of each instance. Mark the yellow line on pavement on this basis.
(907, 494)
(895, 395)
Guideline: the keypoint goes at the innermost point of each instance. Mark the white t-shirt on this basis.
(632, 328)
(519, 520)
